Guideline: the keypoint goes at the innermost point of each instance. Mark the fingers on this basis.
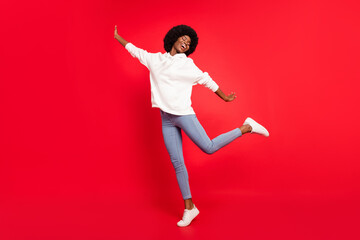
(232, 96)
(115, 32)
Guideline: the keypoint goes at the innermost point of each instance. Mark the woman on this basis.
(172, 75)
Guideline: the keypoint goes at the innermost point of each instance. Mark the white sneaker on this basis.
(256, 128)
(188, 216)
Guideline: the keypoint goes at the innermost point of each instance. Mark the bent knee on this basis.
(209, 150)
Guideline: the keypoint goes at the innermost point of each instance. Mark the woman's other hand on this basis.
(223, 96)
(230, 97)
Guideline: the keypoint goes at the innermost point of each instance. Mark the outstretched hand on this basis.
(119, 38)
(116, 32)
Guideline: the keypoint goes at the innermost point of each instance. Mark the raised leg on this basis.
(193, 129)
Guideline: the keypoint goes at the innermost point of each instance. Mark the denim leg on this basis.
(193, 129)
(173, 142)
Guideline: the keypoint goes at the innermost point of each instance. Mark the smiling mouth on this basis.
(183, 46)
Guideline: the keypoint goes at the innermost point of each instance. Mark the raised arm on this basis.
(223, 96)
(119, 38)
(143, 56)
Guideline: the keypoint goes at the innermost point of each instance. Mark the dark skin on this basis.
(181, 46)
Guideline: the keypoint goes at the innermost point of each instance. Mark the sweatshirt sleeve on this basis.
(204, 79)
(143, 56)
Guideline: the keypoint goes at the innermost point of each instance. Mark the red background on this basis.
(82, 155)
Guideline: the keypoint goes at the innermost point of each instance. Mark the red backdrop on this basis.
(82, 155)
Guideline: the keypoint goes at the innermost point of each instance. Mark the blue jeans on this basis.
(171, 128)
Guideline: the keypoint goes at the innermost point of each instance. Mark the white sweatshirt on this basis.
(171, 79)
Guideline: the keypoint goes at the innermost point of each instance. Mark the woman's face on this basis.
(182, 44)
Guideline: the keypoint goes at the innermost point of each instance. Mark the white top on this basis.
(172, 78)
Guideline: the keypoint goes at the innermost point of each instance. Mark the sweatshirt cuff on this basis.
(214, 87)
(128, 45)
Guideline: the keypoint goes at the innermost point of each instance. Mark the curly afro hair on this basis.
(178, 31)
